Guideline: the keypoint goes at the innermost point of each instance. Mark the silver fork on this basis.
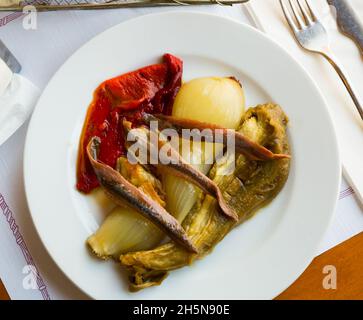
(312, 36)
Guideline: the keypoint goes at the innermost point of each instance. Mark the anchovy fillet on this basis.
(177, 166)
(126, 194)
(243, 145)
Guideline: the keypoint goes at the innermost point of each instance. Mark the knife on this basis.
(9, 58)
(6, 75)
(52, 5)
(348, 21)
(8, 66)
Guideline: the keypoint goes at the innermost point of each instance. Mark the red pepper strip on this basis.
(151, 89)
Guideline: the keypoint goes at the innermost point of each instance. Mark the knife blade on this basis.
(9, 58)
(348, 21)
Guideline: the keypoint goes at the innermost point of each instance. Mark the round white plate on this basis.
(260, 258)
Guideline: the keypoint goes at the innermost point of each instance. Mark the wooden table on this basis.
(346, 259)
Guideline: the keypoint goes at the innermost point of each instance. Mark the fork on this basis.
(311, 34)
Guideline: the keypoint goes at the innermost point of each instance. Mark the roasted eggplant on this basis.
(252, 185)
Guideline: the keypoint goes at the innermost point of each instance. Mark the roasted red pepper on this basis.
(151, 89)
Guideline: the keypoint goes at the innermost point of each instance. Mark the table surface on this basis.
(346, 258)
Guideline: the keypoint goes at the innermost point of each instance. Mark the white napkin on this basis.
(349, 127)
(16, 105)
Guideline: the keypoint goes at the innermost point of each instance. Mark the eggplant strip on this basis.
(177, 166)
(243, 145)
(126, 194)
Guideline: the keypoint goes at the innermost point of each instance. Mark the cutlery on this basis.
(6, 76)
(348, 21)
(8, 66)
(52, 5)
(312, 36)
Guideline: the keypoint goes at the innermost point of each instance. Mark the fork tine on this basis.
(288, 17)
(306, 15)
(297, 15)
(311, 10)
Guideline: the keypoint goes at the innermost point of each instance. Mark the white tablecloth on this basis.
(41, 52)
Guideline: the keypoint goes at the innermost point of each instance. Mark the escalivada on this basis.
(168, 214)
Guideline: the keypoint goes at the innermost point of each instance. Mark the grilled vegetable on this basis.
(219, 101)
(125, 230)
(252, 185)
(142, 179)
(152, 88)
(126, 194)
(173, 163)
(180, 194)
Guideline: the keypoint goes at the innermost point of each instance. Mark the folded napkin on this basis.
(16, 104)
(269, 18)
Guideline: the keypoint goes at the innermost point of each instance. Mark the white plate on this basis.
(260, 258)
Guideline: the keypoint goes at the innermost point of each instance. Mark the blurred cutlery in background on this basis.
(8, 66)
(348, 21)
(311, 34)
(50, 5)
